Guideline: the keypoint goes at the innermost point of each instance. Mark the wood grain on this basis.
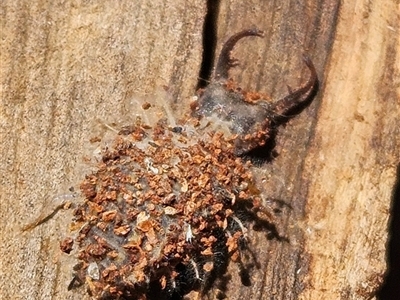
(351, 165)
(269, 65)
(68, 67)
(337, 160)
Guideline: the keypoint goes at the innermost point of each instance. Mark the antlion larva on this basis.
(169, 206)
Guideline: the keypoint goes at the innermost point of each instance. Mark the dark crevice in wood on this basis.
(391, 288)
(209, 42)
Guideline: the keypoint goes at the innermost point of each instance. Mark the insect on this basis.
(169, 207)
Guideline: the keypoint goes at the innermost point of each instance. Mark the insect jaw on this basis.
(225, 60)
(251, 122)
(298, 98)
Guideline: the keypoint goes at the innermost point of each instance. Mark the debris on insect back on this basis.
(162, 212)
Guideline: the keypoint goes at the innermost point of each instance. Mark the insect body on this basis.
(168, 208)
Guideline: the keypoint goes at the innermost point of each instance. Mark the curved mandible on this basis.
(225, 61)
(282, 107)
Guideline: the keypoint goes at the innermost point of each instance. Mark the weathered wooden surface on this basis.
(337, 161)
(269, 65)
(351, 179)
(66, 65)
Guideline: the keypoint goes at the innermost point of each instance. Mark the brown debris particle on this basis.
(146, 105)
(122, 230)
(66, 245)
